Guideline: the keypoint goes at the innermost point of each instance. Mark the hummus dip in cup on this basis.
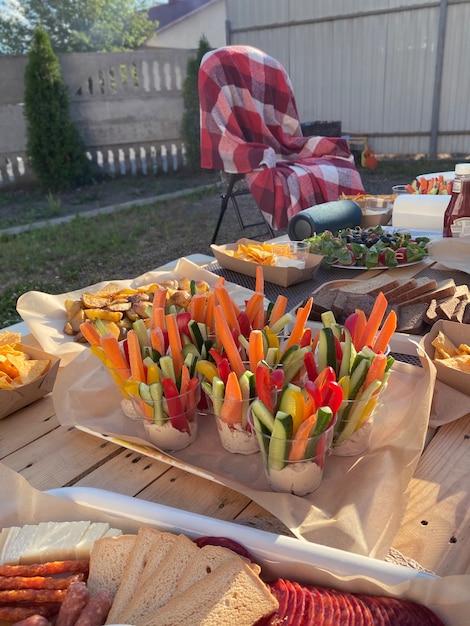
(234, 431)
(354, 426)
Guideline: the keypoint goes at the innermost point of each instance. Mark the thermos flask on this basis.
(331, 216)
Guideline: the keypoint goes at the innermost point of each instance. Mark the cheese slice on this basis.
(10, 534)
(95, 531)
(55, 540)
(23, 541)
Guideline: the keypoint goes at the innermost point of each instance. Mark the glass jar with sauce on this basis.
(457, 215)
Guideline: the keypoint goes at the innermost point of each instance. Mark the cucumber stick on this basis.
(279, 442)
(326, 349)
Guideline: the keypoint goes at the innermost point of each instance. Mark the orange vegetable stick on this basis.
(410, 189)
(174, 340)
(90, 333)
(360, 326)
(117, 360)
(385, 333)
(301, 318)
(376, 370)
(224, 333)
(374, 321)
(255, 349)
(299, 444)
(197, 308)
(232, 406)
(210, 311)
(158, 308)
(157, 340)
(184, 385)
(278, 309)
(135, 356)
(253, 305)
(259, 280)
(223, 299)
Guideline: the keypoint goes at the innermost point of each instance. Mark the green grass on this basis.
(127, 243)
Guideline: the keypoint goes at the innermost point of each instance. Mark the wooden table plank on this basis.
(127, 473)
(180, 489)
(436, 526)
(27, 425)
(61, 458)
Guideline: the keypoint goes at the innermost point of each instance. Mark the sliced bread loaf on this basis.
(383, 282)
(134, 567)
(108, 558)
(231, 594)
(406, 284)
(157, 590)
(423, 285)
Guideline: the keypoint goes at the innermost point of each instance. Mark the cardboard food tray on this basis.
(286, 557)
(283, 276)
(457, 333)
(12, 400)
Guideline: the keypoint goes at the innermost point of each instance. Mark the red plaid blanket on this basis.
(250, 125)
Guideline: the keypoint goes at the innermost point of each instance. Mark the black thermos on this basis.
(331, 216)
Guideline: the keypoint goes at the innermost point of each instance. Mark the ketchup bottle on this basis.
(457, 215)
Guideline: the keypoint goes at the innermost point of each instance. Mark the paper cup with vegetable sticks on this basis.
(169, 417)
(354, 426)
(229, 398)
(292, 463)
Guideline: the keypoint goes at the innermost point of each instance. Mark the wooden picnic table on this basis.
(436, 526)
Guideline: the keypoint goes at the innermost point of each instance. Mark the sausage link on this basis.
(97, 609)
(33, 620)
(73, 604)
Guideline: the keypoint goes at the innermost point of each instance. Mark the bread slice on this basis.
(108, 558)
(411, 318)
(134, 567)
(159, 588)
(383, 282)
(423, 285)
(406, 284)
(206, 561)
(444, 289)
(231, 594)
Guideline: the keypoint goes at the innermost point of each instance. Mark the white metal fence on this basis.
(395, 71)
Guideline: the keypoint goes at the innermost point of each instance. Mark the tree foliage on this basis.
(76, 25)
(54, 146)
(190, 127)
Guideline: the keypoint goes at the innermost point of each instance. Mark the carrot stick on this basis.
(360, 326)
(231, 411)
(255, 349)
(184, 385)
(301, 318)
(157, 340)
(254, 304)
(90, 333)
(197, 308)
(210, 311)
(376, 370)
(223, 299)
(374, 321)
(385, 334)
(278, 309)
(174, 339)
(224, 333)
(117, 360)
(135, 356)
(259, 318)
(299, 444)
(158, 308)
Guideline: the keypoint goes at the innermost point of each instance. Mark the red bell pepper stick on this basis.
(175, 406)
(306, 339)
(277, 378)
(182, 321)
(333, 396)
(216, 355)
(314, 392)
(244, 323)
(264, 386)
(310, 366)
(224, 369)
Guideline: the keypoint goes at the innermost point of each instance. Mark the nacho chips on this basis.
(16, 367)
(447, 353)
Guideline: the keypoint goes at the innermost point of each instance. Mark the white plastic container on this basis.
(419, 211)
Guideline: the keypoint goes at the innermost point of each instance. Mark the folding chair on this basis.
(250, 129)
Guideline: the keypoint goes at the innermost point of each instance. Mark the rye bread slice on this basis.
(446, 308)
(406, 285)
(466, 314)
(423, 285)
(383, 282)
(411, 318)
(444, 289)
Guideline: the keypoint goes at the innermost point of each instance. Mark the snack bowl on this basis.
(290, 466)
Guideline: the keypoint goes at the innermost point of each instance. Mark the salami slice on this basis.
(291, 603)
(376, 607)
(357, 617)
(74, 602)
(279, 591)
(426, 616)
(298, 619)
(318, 607)
(345, 615)
(329, 607)
(96, 610)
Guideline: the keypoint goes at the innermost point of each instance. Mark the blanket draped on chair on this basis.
(250, 126)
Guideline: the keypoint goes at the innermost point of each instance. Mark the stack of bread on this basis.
(159, 578)
(418, 302)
